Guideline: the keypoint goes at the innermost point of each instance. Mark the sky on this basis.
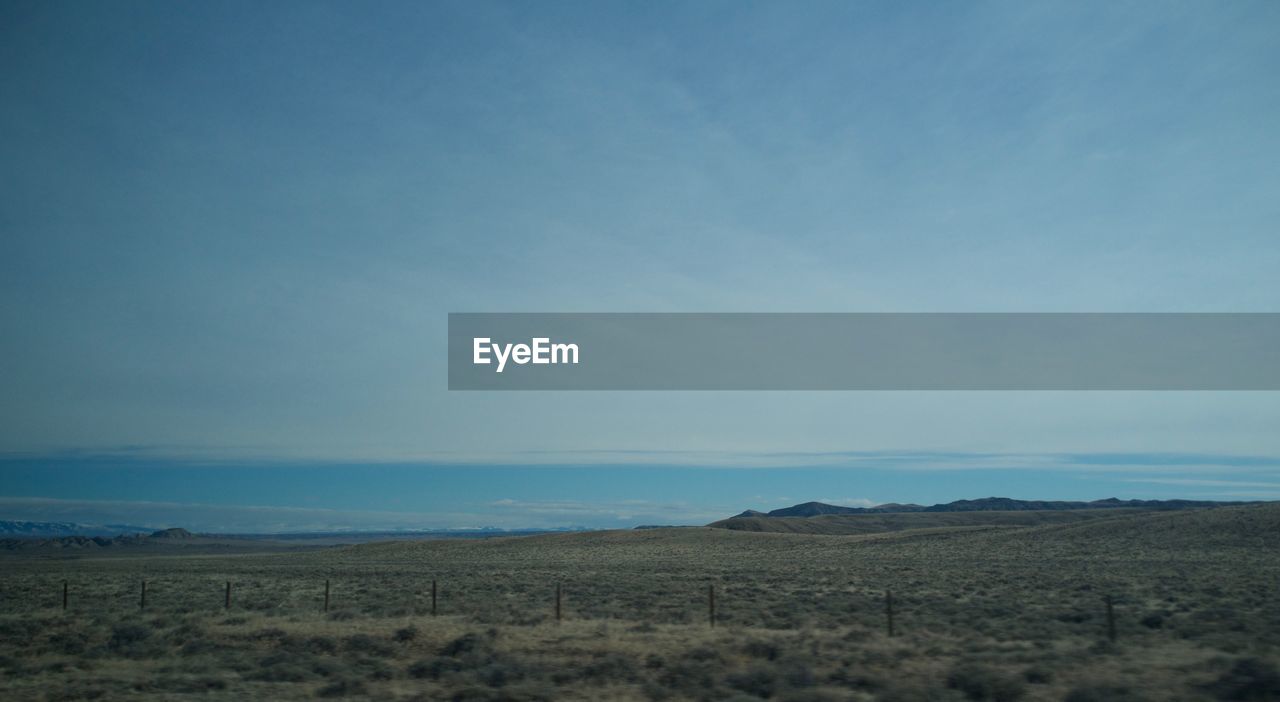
(230, 234)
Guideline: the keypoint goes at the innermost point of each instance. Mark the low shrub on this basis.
(1249, 679)
(71, 643)
(465, 644)
(612, 667)
(132, 641)
(320, 645)
(982, 683)
(368, 645)
(434, 668)
(1038, 675)
(346, 687)
(1101, 693)
(758, 680)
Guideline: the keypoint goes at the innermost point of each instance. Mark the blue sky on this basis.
(230, 234)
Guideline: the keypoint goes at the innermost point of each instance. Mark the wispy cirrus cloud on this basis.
(849, 501)
(1116, 462)
(1200, 482)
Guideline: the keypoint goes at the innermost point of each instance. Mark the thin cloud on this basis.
(1203, 482)
(849, 501)
(886, 460)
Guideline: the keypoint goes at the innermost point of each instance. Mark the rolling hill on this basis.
(821, 518)
(834, 524)
(986, 504)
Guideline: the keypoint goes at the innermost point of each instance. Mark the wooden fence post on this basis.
(142, 601)
(433, 598)
(558, 611)
(326, 595)
(228, 603)
(711, 605)
(888, 610)
(1111, 620)
(64, 595)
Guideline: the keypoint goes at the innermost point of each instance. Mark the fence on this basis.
(558, 609)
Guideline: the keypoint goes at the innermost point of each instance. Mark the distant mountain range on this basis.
(986, 504)
(11, 529)
(28, 542)
(27, 536)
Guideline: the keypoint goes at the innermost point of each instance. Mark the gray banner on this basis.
(863, 351)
